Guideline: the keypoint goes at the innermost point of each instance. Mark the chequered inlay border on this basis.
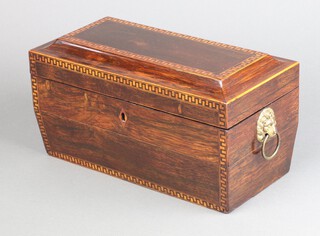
(35, 95)
(255, 55)
(141, 85)
(223, 169)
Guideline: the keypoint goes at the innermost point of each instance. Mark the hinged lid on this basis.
(198, 79)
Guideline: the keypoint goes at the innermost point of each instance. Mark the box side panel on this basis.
(249, 172)
(160, 151)
(274, 85)
(35, 98)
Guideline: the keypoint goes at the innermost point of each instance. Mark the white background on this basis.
(41, 195)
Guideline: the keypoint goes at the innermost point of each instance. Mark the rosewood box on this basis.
(203, 121)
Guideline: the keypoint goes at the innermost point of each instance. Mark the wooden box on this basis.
(203, 121)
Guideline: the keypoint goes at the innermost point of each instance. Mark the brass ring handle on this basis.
(264, 146)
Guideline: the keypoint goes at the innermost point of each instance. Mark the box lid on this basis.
(198, 79)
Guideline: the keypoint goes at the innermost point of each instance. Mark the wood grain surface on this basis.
(167, 111)
(143, 124)
(145, 161)
(249, 172)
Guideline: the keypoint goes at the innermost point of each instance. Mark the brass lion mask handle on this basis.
(266, 129)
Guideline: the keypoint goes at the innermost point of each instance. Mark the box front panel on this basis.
(249, 172)
(167, 153)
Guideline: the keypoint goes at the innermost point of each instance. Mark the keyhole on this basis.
(123, 117)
